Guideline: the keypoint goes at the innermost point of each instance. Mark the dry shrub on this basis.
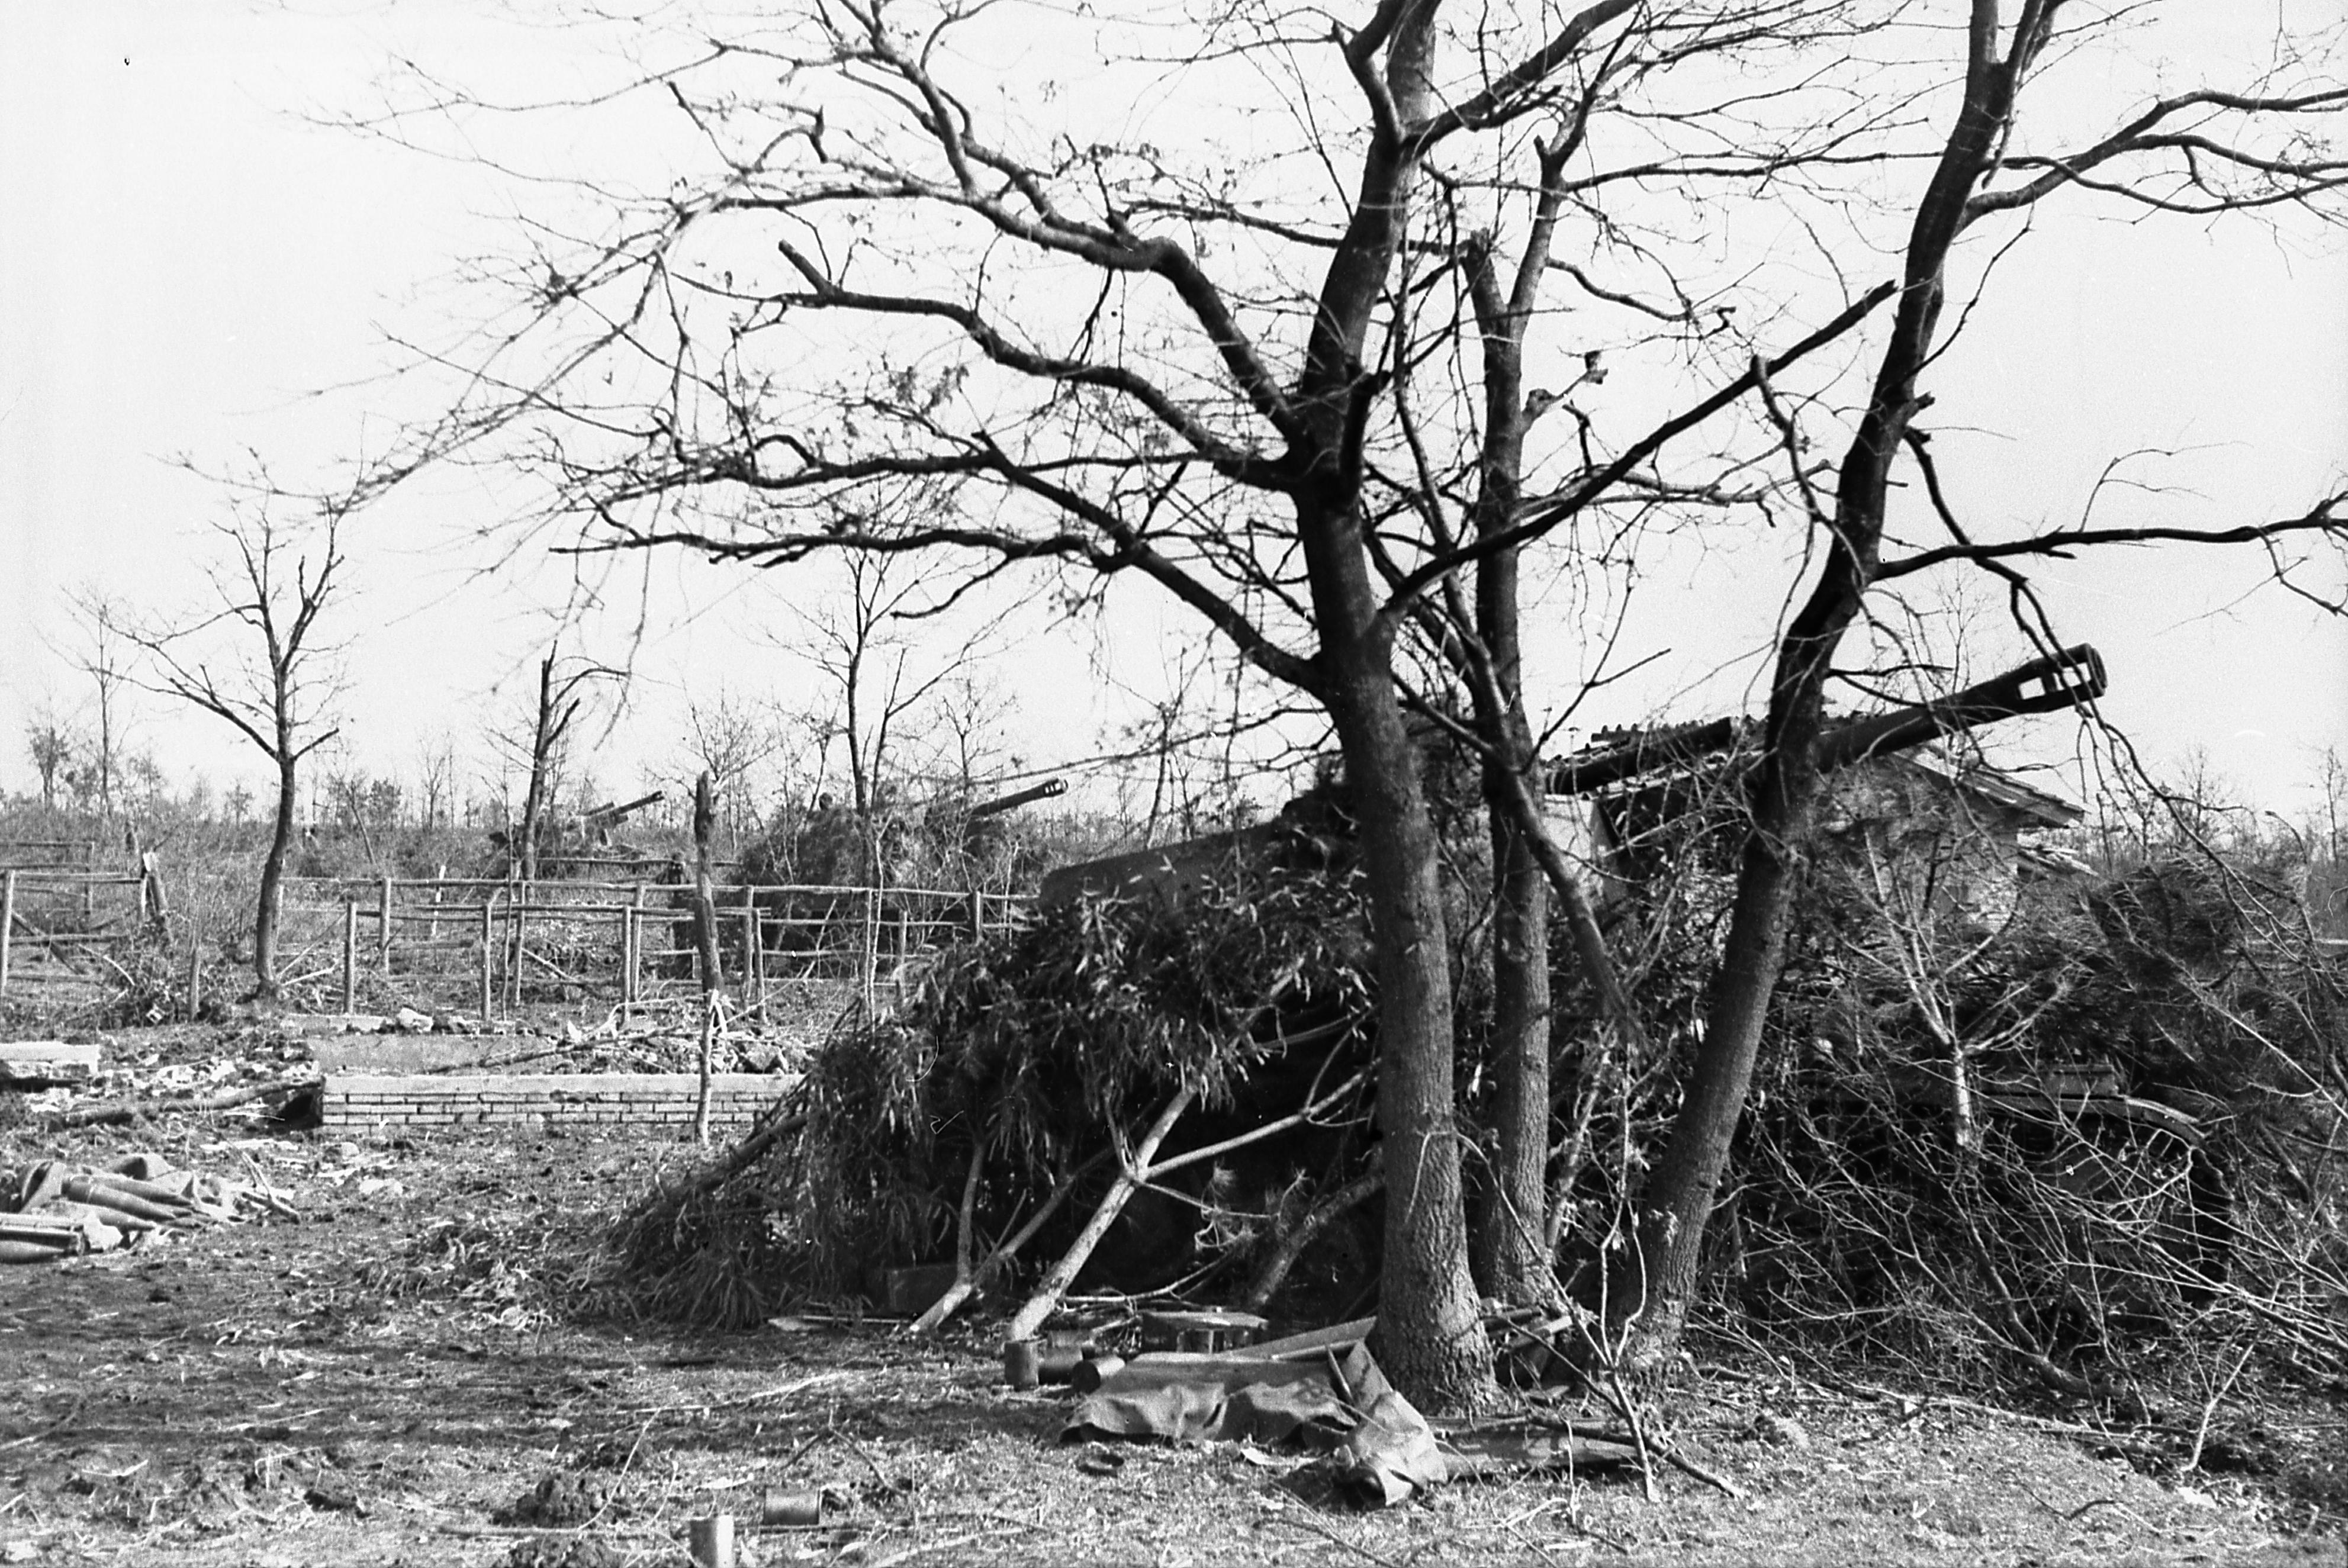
(2146, 1192)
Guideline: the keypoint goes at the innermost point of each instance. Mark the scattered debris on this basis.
(1327, 1397)
(50, 1211)
(557, 1552)
(1205, 1332)
(559, 1500)
(128, 1112)
(36, 1064)
(329, 1498)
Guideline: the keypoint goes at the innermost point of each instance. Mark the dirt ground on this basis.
(382, 1380)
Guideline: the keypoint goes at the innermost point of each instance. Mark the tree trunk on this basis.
(272, 879)
(1515, 1263)
(1431, 1337)
(1513, 1257)
(705, 939)
(541, 753)
(1650, 1292)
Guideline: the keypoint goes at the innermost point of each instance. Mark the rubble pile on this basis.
(50, 1210)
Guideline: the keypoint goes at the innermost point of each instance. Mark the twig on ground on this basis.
(1621, 1400)
(1307, 1521)
(60, 1424)
(912, 1551)
(2209, 1410)
(780, 1392)
(1711, 1478)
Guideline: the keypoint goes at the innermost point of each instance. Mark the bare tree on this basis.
(545, 747)
(2199, 151)
(103, 651)
(861, 642)
(435, 780)
(731, 740)
(50, 746)
(1294, 393)
(254, 661)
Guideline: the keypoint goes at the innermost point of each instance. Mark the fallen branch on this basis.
(132, 1111)
(961, 1290)
(1302, 1235)
(745, 1153)
(1686, 1466)
(1133, 1170)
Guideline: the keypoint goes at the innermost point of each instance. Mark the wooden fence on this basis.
(48, 912)
(491, 944)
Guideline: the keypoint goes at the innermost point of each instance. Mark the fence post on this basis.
(7, 923)
(488, 953)
(350, 955)
(754, 982)
(871, 944)
(195, 977)
(520, 935)
(636, 918)
(383, 927)
(154, 898)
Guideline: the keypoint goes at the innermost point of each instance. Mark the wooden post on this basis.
(749, 947)
(489, 952)
(977, 915)
(432, 921)
(627, 955)
(195, 978)
(350, 955)
(705, 916)
(7, 923)
(383, 927)
(153, 900)
(870, 933)
(520, 936)
(636, 947)
(759, 952)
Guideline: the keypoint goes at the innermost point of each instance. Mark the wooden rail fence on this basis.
(503, 942)
(49, 910)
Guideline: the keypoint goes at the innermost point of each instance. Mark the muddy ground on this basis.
(383, 1379)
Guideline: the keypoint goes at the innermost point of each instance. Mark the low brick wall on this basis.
(360, 1101)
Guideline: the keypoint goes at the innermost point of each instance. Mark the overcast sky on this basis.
(185, 260)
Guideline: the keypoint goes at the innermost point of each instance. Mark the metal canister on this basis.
(712, 1539)
(779, 1507)
(1021, 1363)
(1095, 1370)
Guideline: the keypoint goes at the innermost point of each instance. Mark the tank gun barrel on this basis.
(1000, 804)
(607, 816)
(2047, 685)
(2067, 679)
